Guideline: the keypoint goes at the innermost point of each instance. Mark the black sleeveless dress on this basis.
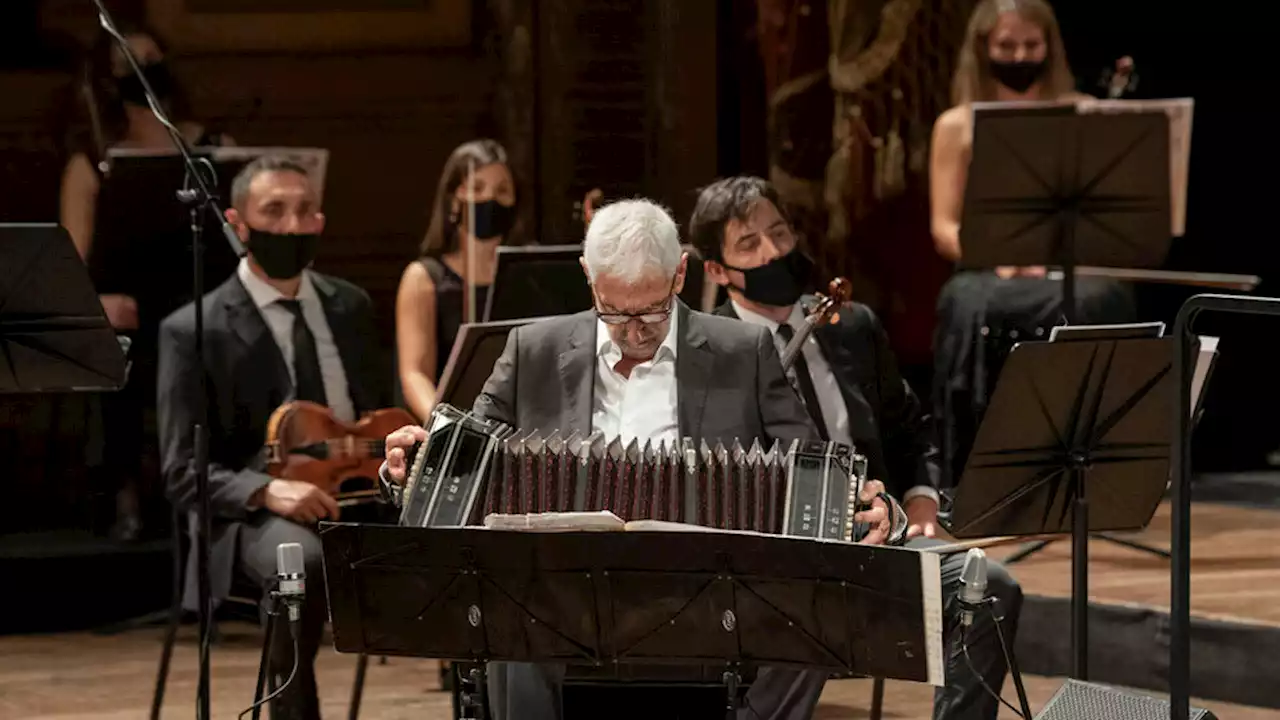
(981, 316)
(451, 290)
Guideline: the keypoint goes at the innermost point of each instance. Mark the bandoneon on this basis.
(470, 467)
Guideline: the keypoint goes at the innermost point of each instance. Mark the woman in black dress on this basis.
(433, 298)
(141, 275)
(1012, 52)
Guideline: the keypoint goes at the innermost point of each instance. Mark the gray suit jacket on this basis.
(246, 380)
(730, 384)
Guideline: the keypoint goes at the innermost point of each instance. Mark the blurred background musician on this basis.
(850, 383)
(1012, 52)
(456, 263)
(275, 331)
(140, 278)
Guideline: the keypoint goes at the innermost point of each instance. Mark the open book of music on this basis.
(600, 521)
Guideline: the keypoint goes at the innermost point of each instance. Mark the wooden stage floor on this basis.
(1236, 574)
(83, 677)
(1235, 566)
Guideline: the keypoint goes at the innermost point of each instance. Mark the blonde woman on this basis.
(1013, 51)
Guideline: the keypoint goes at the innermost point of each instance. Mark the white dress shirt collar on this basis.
(795, 319)
(264, 293)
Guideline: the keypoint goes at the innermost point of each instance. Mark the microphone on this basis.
(973, 584)
(292, 577)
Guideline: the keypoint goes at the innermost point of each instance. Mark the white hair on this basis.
(630, 240)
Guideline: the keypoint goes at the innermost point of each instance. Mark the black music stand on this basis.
(613, 599)
(1076, 440)
(475, 350)
(1049, 185)
(54, 334)
(141, 224)
(543, 280)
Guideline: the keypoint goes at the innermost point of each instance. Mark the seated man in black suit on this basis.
(849, 381)
(274, 332)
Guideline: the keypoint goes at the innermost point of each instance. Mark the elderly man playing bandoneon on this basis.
(641, 364)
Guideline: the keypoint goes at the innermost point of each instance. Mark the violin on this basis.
(307, 442)
(824, 312)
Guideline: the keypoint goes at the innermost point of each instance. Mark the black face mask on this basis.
(158, 76)
(1017, 76)
(282, 256)
(779, 282)
(493, 219)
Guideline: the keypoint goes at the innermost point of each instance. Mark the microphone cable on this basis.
(964, 650)
(293, 633)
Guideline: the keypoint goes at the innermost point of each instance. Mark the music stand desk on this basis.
(1076, 440)
(475, 351)
(1052, 185)
(54, 334)
(609, 599)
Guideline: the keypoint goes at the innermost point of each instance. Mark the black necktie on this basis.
(308, 381)
(805, 381)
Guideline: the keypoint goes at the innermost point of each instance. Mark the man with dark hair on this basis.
(274, 332)
(849, 381)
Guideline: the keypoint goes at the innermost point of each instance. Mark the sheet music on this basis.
(555, 522)
(931, 584)
(1204, 362)
(1121, 331)
(1180, 111)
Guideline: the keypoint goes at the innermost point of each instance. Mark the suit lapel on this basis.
(577, 373)
(694, 363)
(844, 366)
(252, 330)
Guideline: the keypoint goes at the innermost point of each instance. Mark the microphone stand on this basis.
(198, 197)
(1010, 660)
(989, 605)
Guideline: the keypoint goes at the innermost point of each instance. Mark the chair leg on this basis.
(175, 618)
(877, 698)
(357, 692)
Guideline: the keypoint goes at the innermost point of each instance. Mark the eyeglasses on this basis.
(647, 318)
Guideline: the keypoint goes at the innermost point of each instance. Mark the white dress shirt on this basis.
(280, 321)
(834, 411)
(643, 406)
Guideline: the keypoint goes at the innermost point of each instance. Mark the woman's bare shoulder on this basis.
(416, 278)
(954, 124)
